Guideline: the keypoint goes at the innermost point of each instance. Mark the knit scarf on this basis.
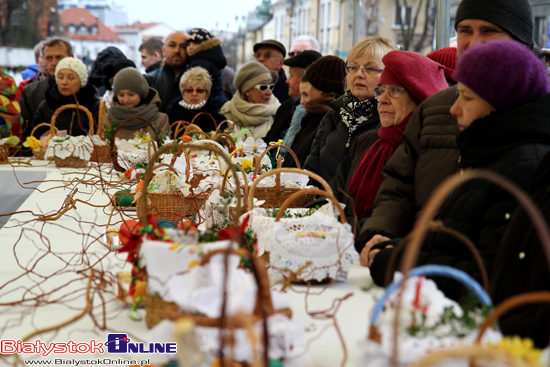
(196, 106)
(295, 125)
(354, 113)
(252, 114)
(117, 114)
(367, 177)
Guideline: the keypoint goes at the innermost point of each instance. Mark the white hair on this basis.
(312, 40)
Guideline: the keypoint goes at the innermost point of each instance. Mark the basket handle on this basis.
(209, 115)
(101, 118)
(298, 193)
(511, 303)
(240, 207)
(43, 124)
(226, 137)
(315, 176)
(175, 146)
(194, 129)
(230, 125)
(73, 106)
(178, 126)
(114, 156)
(273, 146)
(433, 270)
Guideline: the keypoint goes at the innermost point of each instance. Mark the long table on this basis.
(58, 279)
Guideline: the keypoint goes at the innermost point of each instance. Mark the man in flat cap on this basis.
(271, 53)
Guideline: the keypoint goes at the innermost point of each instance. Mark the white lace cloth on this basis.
(330, 253)
(78, 146)
(288, 179)
(129, 155)
(263, 224)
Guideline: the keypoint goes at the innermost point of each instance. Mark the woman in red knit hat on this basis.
(407, 80)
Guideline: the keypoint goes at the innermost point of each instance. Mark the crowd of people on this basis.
(384, 127)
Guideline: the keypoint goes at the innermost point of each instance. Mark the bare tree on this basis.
(408, 26)
(372, 21)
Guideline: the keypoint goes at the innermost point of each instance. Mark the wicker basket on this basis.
(112, 145)
(171, 206)
(101, 153)
(4, 153)
(71, 161)
(40, 154)
(274, 196)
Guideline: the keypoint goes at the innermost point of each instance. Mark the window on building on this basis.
(72, 29)
(94, 31)
(403, 15)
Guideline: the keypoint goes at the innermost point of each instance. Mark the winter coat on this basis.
(510, 142)
(31, 97)
(281, 88)
(427, 156)
(177, 112)
(521, 266)
(167, 84)
(153, 67)
(117, 114)
(329, 149)
(282, 119)
(30, 72)
(74, 121)
(316, 109)
(340, 183)
(96, 76)
(228, 79)
(209, 55)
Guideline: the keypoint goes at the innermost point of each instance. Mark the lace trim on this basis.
(188, 106)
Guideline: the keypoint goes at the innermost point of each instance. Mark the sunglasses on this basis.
(263, 87)
(191, 90)
(293, 53)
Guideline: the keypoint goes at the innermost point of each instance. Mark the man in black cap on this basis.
(297, 68)
(271, 53)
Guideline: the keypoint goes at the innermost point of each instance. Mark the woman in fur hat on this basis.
(132, 96)
(71, 87)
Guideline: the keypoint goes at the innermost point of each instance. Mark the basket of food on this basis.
(275, 190)
(39, 146)
(70, 151)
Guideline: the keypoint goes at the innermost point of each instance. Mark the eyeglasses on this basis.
(392, 90)
(293, 53)
(263, 87)
(191, 90)
(266, 55)
(369, 70)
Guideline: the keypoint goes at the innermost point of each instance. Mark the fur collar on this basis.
(207, 45)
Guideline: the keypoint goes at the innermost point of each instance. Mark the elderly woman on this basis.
(352, 114)
(253, 106)
(504, 130)
(195, 86)
(71, 87)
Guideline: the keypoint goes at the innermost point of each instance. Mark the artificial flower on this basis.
(254, 147)
(523, 349)
(33, 143)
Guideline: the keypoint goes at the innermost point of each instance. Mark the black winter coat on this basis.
(209, 55)
(167, 83)
(521, 265)
(74, 121)
(282, 120)
(510, 142)
(281, 88)
(32, 96)
(329, 149)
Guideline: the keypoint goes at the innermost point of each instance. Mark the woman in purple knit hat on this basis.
(503, 110)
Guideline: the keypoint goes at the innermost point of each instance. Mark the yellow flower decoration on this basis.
(32, 143)
(246, 164)
(520, 348)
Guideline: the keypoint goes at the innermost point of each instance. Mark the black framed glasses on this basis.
(264, 87)
(392, 90)
(368, 70)
(266, 55)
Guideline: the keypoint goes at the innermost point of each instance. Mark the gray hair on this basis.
(312, 40)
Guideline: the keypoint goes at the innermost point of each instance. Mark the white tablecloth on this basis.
(46, 266)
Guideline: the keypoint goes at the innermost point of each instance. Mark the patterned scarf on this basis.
(367, 177)
(354, 113)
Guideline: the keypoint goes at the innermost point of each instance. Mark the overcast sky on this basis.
(184, 14)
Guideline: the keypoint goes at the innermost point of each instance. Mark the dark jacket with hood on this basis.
(427, 156)
(74, 121)
(209, 55)
(510, 142)
(167, 84)
(329, 149)
(31, 97)
(107, 56)
(282, 120)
